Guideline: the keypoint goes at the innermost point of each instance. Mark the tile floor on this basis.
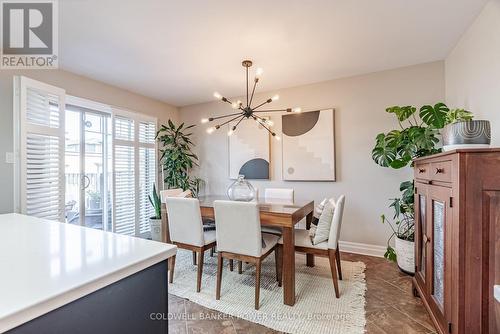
(390, 307)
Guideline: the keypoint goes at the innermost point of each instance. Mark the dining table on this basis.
(273, 213)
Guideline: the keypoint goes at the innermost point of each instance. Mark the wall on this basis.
(74, 85)
(360, 104)
(473, 69)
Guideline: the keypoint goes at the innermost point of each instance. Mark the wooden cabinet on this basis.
(457, 239)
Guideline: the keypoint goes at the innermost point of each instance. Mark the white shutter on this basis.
(147, 173)
(40, 146)
(134, 172)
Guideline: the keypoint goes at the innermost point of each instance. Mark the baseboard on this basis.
(363, 249)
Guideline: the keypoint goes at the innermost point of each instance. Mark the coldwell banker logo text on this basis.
(29, 34)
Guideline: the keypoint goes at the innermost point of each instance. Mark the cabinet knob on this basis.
(421, 170)
(426, 239)
(439, 170)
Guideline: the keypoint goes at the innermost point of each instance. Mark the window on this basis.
(45, 141)
(135, 172)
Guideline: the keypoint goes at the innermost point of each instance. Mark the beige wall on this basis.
(473, 69)
(360, 104)
(74, 85)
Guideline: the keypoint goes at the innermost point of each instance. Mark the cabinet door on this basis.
(439, 232)
(421, 236)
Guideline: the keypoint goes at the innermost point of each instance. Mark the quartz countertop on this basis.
(45, 265)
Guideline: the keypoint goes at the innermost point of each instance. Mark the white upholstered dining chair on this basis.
(329, 248)
(277, 196)
(239, 237)
(186, 231)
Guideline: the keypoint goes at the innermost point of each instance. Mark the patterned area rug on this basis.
(316, 309)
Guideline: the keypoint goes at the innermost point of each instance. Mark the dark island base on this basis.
(126, 306)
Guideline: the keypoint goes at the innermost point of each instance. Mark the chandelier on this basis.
(247, 111)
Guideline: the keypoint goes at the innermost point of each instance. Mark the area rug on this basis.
(316, 309)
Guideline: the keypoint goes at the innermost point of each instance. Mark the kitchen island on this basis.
(62, 278)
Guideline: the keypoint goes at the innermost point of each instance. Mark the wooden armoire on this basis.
(457, 239)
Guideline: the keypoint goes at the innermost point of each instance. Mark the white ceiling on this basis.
(182, 51)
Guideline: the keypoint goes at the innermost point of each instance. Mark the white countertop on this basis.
(45, 265)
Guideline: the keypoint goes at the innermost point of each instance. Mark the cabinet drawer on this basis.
(422, 171)
(441, 171)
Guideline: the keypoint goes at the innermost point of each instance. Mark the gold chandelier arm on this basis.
(275, 110)
(253, 91)
(263, 125)
(242, 118)
(223, 116)
(232, 119)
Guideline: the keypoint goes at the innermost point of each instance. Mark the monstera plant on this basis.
(417, 136)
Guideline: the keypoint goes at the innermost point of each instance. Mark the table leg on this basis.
(289, 266)
(309, 257)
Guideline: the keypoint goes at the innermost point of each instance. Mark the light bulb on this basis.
(230, 132)
(275, 98)
(278, 138)
(204, 120)
(235, 105)
(239, 103)
(259, 72)
(269, 122)
(298, 109)
(210, 130)
(217, 96)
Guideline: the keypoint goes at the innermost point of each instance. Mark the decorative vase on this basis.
(241, 190)
(468, 134)
(405, 255)
(155, 226)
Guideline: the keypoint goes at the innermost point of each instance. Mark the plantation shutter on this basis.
(147, 173)
(134, 172)
(40, 148)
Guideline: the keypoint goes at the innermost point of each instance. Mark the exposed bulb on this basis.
(204, 120)
(269, 122)
(235, 105)
(210, 130)
(275, 98)
(230, 132)
(217, 96)
(259, 72)
(298, 109)
(278, 138)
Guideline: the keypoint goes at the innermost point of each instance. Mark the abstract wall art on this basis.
(309, 146)
(249, 152)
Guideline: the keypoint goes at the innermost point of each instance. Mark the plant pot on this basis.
(156, 230)
(405, 251)
(467, 134)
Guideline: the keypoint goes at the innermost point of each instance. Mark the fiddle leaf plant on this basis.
(417, 136)
(177, 157)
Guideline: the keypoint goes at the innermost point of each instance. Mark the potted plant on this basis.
(155, 221)
(462, 131)
(418, 136)
(177, 157)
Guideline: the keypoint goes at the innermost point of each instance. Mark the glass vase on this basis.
(241, 190)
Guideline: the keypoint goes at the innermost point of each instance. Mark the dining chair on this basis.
(239, 237)
(329, 248)
(277, 196)
(186, 231)
(169, 193)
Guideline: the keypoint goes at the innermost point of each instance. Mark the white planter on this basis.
(405, 251)
(155, 226)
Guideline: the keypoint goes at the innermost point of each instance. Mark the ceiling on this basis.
(180, 52)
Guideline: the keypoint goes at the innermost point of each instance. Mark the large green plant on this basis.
(418, 136)
(154, 199)
(177, 157)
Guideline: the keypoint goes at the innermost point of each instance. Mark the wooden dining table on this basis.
(274, 213)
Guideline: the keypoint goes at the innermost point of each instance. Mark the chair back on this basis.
(334, 236)
(238, 227)
(169, 193)
(281, 195)
(184, 221)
